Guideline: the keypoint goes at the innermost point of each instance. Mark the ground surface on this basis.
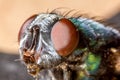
(12, 70)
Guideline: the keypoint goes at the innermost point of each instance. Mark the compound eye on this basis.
(24, 26)
(64, 36)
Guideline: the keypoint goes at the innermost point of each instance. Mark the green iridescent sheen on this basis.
(95, 34)
(82, 76)
(91, 66)
(92, 62)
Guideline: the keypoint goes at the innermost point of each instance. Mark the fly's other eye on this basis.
(64, 36)
(23, 27)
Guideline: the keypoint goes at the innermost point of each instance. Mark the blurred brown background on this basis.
(14, 12)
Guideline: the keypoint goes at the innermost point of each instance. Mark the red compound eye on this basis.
(64, 36)
(25, 24)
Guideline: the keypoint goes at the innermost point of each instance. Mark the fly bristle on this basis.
(68, 13)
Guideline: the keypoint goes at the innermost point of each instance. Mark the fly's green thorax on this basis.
(95, 34)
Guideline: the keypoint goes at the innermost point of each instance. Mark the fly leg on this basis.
(66, 72)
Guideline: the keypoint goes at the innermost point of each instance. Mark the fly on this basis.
(56, 47)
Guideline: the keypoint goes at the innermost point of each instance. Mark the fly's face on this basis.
(35, 43)
(42, 41)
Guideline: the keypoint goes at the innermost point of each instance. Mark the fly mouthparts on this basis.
(28, 57)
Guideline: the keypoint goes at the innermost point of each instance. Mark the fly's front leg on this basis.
(66, 72)
(66, 75)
